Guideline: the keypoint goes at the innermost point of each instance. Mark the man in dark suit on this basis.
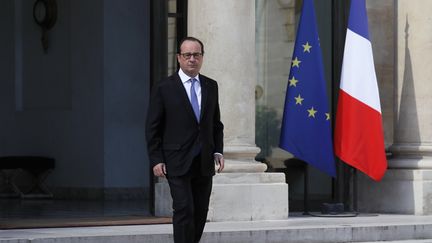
(185, 139)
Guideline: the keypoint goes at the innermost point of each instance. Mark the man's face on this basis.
(190, 58)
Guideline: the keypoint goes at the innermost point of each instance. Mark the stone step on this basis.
(400, 241)
(297, 229)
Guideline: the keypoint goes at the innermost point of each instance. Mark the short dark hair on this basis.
(190, 38)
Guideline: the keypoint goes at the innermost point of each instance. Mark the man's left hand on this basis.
(219, 161)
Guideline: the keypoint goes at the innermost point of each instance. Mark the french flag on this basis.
(359, 139)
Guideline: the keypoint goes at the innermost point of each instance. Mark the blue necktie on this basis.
(194, 99)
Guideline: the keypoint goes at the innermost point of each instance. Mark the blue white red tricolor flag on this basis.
(358, 138)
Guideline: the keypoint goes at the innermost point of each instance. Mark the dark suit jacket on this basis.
(173, 132)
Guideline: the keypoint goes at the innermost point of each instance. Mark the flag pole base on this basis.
(332, 210)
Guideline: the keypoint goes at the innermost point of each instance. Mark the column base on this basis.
(402, 191)
(238, 197)
(235, 166)
(241, 159)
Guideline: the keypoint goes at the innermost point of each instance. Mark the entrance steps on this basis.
(297, 228)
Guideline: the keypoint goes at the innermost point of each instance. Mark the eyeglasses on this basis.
(188, 55)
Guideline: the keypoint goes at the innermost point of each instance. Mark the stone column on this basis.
(407, 185)
(243, 191)
(227, 29)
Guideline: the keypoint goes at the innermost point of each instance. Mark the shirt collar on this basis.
(184, 78)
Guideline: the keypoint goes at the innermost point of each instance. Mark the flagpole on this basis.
(355, 190)
(306, 191)
(339, 24)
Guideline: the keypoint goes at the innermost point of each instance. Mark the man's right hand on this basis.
(159, 170)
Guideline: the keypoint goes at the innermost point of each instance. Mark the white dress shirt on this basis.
(187, 82)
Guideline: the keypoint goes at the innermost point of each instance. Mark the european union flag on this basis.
(306, 124)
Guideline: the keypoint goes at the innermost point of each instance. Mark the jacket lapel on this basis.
(204, 95)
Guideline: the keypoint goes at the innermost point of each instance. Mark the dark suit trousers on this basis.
(191, 195)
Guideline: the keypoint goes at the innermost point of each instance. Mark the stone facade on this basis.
(407, 185)
(84, 102)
